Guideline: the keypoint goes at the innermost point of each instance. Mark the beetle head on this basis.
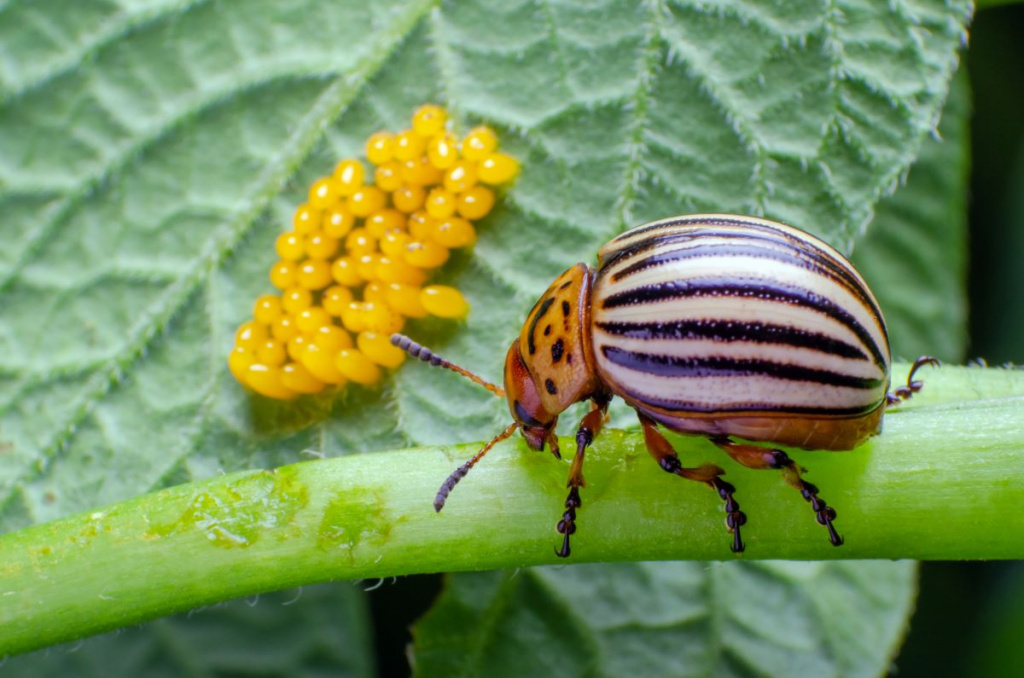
(549, 368)
(524, 403)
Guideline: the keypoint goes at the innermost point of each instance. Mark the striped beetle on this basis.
(713, 325)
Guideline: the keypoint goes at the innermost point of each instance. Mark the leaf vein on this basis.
(648, 63)
(332, 103)
(115, 28)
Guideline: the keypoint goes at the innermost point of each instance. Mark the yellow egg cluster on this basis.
(355, 264)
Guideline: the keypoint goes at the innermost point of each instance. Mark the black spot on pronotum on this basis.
(550, 386)
(557, 349)
(547, 330)
(565, 285)
(542, 308)
(566, 308)
(568, 359)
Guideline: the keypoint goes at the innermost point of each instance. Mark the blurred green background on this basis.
(970, 616)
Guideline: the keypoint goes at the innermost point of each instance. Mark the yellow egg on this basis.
(296, 377)
(266, 381)
(444, 301)
(378, 348)
(357, 367)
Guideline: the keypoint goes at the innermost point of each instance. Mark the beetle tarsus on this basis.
(762, 458)
(668, 460)
(824, 513)
(567, 525)
(904, 393)
(588, 429)
(734, 517)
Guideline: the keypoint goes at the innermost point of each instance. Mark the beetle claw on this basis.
(824, 513)
(902, 393)
(734, 517)
(567, 525)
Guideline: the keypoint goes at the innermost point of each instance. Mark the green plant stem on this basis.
(944, 481)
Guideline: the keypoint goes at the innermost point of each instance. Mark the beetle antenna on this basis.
(448, 485)
(426, 355)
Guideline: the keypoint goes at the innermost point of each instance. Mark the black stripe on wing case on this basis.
(701, 226)
(706, 224)
(672, 405)
(685, 222)
(728, 287)
(799, 253)
(746, 249)
(685, 230)
(715, 366)
(734, 331)
(796, 253)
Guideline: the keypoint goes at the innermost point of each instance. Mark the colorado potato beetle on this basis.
(715, 325)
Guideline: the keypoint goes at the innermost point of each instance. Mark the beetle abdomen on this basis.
(721, 324)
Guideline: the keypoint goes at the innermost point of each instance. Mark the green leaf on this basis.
(914, 255)
(669, 619)
(316, 630)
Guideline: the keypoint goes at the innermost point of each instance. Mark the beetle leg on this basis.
(588, 429)
(708, 474)
(756, 457)
(901, 393)
(552, 443)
